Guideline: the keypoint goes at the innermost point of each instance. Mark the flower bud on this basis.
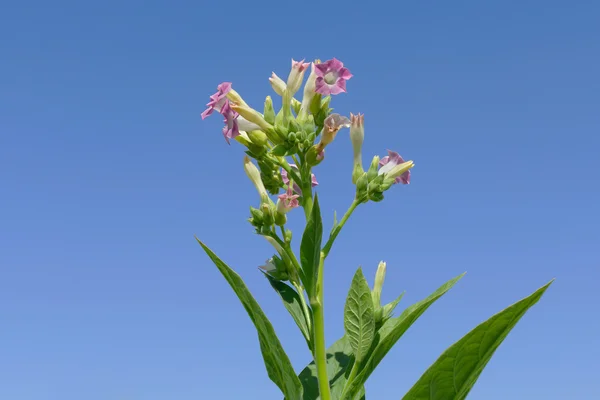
(277, 83)
(296, 76)
(288, 236)
(257, 217)
(254, 175)
(296, 106)
(372, 172)
(280, 218)
(357, 136)
(243, 138)
(269, 111)
(252, 116)
(378, 286)
(362, 184)
(259, 138)
(309, 88)
(315, 155)
(268, 216)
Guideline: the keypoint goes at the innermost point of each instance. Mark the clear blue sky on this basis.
(107, 172)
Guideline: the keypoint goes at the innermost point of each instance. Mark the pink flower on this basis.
(331, 77)
(217, 100)
(387, 163)
(287, 201)
(231, 129)
(286, 179)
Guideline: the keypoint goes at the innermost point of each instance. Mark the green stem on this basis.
(319, 335)
(351, 377)
(305, 309)
(336, 230)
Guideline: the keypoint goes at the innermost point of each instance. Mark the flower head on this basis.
(286, 179)
(388, 163)
(333, 123)
(287, 201)
(331, 77)
(217, 100)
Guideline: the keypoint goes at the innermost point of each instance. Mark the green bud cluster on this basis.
(263, 218)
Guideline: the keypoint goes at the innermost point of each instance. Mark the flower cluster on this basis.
(288, 143)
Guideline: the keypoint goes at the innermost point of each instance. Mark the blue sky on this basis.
(107, 172)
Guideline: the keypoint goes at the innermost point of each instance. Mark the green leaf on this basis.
(279, 367)
(391, 332)
(339, 362)
(359, 318)
(291, 301)
(310, 249)
(453, 375)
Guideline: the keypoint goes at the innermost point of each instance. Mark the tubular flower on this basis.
(217, 100)
(331, 77)
(333, 123)
(287, 201)
(388, 163)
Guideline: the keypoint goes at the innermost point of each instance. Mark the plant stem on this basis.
(336, 230)
(351, 377)
(319, 335)
(305, 309)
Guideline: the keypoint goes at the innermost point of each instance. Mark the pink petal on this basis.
(384, 161)
(335, 64)
(321, 87)
(395, 157)
(335, 89)
(345, 74)
(313, 180)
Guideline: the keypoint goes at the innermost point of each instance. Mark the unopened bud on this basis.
(252, 116)
(268, 216)
(277, 83)
(296, 76)
(378, 286)
(254, 175)
(372, 173)
(269, 111)
(259, 138)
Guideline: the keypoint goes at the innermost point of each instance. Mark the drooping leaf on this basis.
(453, 375)
(339, 362)
(310, 249)
(391, 332)
(279, 367)
(291, 301)
(359, 318)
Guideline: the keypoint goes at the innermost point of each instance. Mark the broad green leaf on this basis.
(391, 332)
(453, 375)
(279, 367)
(339, 363)
(310, 249)
(359, 318)
(291, 301)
